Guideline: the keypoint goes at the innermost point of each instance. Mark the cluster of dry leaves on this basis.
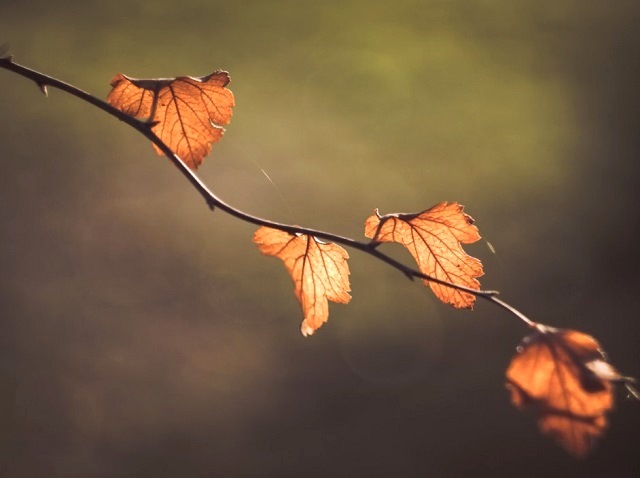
(561, 375)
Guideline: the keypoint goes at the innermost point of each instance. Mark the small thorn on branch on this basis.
(4, 53)
(43, 88)
(633, 391)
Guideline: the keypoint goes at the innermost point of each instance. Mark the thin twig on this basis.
(213, 201)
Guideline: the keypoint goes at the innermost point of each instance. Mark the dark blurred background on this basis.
(143, 336)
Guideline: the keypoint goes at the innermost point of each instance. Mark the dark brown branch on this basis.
(213, 201)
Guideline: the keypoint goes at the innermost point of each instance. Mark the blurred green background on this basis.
(143, 336)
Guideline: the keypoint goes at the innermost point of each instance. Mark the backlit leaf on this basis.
(190, 112)
(319, 271)
(433, 238)
(563, 377)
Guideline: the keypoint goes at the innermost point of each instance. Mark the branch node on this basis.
(373, 244)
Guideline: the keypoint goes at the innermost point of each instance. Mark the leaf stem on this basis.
(213, 201)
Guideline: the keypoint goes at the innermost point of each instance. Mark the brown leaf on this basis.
(319, 271)
(190, 112)
(563, 377)
(433, 238)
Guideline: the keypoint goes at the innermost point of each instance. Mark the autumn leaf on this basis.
(190, 112)
(319, 271)
(562, 375)
(433, 238)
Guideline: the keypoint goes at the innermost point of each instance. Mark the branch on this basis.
(213, 201)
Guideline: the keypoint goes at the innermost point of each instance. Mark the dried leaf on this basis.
(433, 238)
(319, 271)
(563, 377)
(190, 112)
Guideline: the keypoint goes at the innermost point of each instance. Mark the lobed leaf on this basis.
(319, 271)
(563, 377)
(189, 113)
(434, 237)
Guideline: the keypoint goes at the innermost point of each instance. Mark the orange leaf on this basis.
(563, 377)
(189, 112)
(433, 238)
(319, 271)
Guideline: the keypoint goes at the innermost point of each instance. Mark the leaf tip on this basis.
(221, 75)
(306, 330)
